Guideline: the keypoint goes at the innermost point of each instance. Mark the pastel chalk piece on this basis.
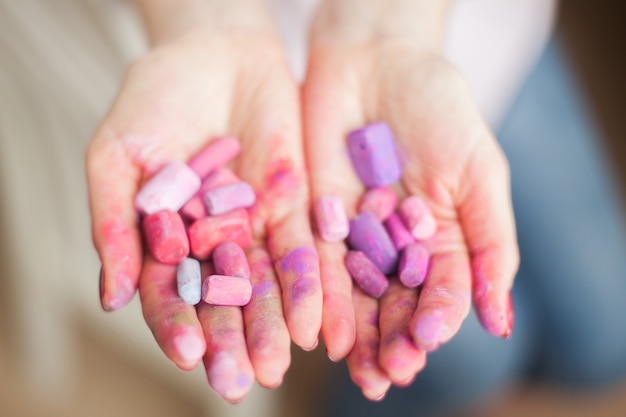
(400, 235)
(226, 290)
(380, 201)
(331, 219)
(413, 266)
(368, 235)
(195, 208)
(229, 197)
(229, 259)
(365, 274)
(417, 217)
(206, 233)
(216, 154)
(189, 281)
(373, 154)
(169, 189)
(166, 236)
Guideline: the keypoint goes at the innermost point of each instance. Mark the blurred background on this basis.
(98, 364)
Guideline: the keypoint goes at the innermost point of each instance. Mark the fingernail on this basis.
(308, 349)
(510, 317)
(103, 304)
(330, 357)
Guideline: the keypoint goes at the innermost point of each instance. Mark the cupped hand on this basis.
(450, 158)
(194, 86)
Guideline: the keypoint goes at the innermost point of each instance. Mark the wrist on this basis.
(419, 22)
(170, 19)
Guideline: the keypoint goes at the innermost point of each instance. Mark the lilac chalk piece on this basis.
(226, 291)
(229, 197)
(368, 235)
(373, 153)
(400, 235)
(331, 219)
(169, 189)
(380, 201)
(166, 236)
(366, 275)
(413, 266)
(215, 155)
(229, 259)
(195, 209)
(417, 217)
(189, 281)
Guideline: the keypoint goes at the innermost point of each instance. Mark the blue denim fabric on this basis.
(570, 292)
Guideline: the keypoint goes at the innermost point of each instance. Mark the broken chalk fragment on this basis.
(226, 291)
(169, 189)
(368, 235)
(417, 217)
(373, 153)
(189, 281)
(331, 219)
(230, 259)
(229, 197)
(365, 274)
(166, 236)
(380, 201)
(215, 155)
(413, 265)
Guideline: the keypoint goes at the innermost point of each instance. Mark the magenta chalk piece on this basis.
(226, 291)
(400, 235)
(215, 155)
(229, 259)
(331, 219)
(169, 189)
(413, 265)
(229, 197)
(166, 236)
(206, 233)
(373, 153)
(195, 209)
(417, 217)
(366, 275)
(380, 201)
(369, 236)
(189, 281)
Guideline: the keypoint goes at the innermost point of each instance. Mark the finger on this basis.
(488, 223)
(399, 356)
(444, 299)
(173, 323)
(228, 367)
(266, 332)
(331, 173)
(363, 359)
(112, 180)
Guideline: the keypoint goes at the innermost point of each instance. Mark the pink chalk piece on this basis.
(373, 154)
(206, 233)
(400, 235)
(417, 217)
(331, 219)
(195, 208)
(166, 236)
(229, 259)
(226, 290)
(216, 154)
(369, 236)
(380, 201)
(229, 197)
(169, 189)
(365, 274)
(413, 266)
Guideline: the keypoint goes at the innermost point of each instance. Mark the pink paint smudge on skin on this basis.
(497, 318)
(303, 263)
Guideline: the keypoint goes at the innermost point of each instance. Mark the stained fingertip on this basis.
(231, 381)
(430, 329)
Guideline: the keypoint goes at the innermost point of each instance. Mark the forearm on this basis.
(167, 19)
(357, 21)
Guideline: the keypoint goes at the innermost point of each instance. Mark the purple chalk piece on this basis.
(368, 235)
(365, 274)
(373, 153)
(229, 197)
(400, 235)
(414, 263)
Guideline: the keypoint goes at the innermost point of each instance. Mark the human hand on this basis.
(382, 62)
(215, 68)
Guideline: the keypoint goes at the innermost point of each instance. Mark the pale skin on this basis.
(217, 67)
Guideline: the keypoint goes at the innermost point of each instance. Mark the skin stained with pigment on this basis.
(304, 264)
